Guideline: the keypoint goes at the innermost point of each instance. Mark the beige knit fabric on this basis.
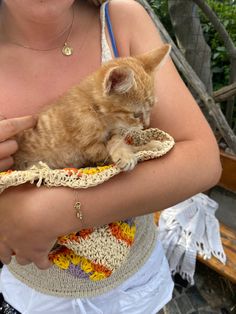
(58, 282)
(42, 174)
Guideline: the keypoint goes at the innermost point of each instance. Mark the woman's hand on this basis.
(31, 220)
(8, 146)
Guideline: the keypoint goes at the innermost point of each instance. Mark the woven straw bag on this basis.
(97, 252)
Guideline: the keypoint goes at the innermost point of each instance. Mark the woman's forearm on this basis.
(47, 213)
(187, 169)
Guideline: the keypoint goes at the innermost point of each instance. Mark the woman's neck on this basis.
(44, 29)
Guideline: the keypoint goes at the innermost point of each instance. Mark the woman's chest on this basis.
(18, 98)
(27, 86)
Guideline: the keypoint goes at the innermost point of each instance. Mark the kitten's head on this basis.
(127, 92)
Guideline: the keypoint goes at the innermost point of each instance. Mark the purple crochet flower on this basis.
(129, 221)
(76, 271)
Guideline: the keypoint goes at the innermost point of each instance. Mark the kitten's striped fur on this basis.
(83, 127)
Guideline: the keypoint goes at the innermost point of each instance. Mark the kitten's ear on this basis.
(155, 59)
(119, 80)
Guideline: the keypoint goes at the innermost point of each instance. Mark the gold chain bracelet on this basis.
(78, 211)
(77, 208)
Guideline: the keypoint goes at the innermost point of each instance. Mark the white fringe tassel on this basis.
(187, 229)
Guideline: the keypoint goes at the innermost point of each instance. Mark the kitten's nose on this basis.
(146, 121)
(143, 120)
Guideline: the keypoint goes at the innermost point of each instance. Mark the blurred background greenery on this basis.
(219, 59)
(226, 11)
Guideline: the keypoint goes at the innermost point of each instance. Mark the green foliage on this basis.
(160, 7)
(226, 11)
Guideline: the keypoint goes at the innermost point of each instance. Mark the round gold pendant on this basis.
(67, 50)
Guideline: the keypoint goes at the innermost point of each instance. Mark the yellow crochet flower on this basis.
(97, 276)
(75, 259)
(127, 230)
(86, 266)
(3, 173)
(94, 170)
(133, 231)
(61, 261)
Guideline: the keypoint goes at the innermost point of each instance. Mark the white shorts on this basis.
(147, 291)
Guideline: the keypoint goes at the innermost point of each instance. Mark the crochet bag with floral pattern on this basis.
(97, 252)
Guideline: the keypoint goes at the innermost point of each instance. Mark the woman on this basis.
(35, 71)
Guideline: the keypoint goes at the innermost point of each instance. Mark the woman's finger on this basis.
(22, 261)
(2, 117)
(8, 148)
(42, 261)
(10, 127)
(6, 163)
(5, 253)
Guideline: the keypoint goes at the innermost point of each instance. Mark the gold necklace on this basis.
(66, 50)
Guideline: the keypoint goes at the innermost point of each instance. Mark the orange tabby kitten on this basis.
(83, 127)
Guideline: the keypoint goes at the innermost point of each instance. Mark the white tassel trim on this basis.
(187, 229)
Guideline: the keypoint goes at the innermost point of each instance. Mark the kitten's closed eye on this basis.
(138, 115)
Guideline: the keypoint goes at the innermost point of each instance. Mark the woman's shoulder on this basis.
(126, 11)
(126, 5)
(133, 26)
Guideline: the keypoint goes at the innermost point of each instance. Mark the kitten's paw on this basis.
(126, 162)
(153, 145)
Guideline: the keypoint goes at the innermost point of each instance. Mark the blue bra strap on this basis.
(109, 26)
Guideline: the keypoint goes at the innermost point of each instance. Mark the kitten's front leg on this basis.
(121, 153)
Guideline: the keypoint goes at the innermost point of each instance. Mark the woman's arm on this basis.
(191, 167)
